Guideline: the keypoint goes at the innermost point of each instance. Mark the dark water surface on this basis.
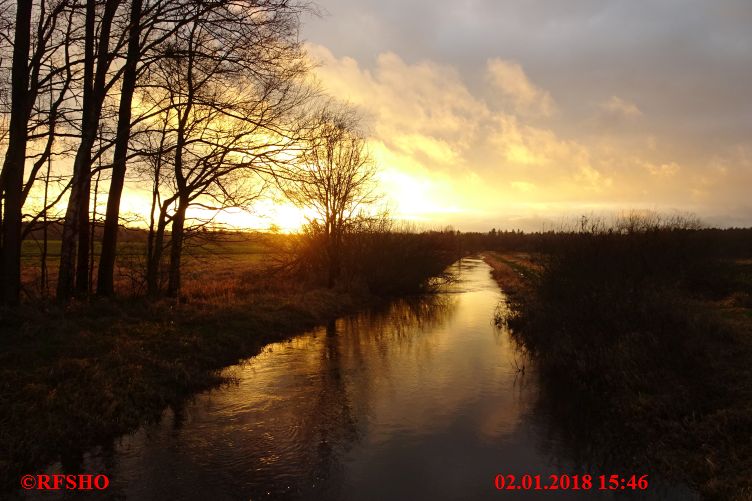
(422, 400)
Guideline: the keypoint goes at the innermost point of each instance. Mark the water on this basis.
(425, 399)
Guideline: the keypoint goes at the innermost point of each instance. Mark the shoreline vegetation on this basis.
(79, 375)
(641, 340)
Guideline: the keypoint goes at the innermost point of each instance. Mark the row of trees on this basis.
(207, 101)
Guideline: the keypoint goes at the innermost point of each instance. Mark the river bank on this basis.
(76, 377)
(418, 399)
(661, 358)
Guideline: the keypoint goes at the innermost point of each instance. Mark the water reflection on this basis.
(423, 399)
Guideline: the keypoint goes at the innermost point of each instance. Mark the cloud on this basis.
(508, 78)
(523, 186)
(666, 170)
(618, 107)
(452, 153)
(554, 93)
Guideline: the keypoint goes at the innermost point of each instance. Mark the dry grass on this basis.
(218, 271)
(661, 358)
(513, 271)
(76, 376)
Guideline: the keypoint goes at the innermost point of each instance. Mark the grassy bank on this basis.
(74, 378)
(651, 332)
(78, 376)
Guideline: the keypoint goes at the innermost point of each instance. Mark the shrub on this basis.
(377, 257)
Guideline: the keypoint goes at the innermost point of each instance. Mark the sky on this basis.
(525, 114)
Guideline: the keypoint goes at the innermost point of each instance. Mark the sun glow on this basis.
(412, 197)
(264, 215)
(267, 215)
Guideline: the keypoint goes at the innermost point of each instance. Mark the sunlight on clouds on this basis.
(523, 186)
(617, 106)
(664, 170)
(520, 154)
(432, 149)
(448, 151)
(266, 214)
(447, 154)
(508, 78)
(409, 195)
(594, 105)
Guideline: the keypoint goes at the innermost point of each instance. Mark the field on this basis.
(214, 267)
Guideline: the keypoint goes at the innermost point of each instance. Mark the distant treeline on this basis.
(735, 242)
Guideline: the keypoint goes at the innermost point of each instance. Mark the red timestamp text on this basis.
(565, 482)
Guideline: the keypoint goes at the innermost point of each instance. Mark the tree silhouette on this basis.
(334, 177)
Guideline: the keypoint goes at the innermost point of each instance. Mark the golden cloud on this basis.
(508, 78)
(450, 150)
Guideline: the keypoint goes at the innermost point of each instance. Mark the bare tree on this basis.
(76, 67)
(226, 93)
(39, 63)
(151, 24)
(118, 35)
(333, 177)
(251, 39)
(105, 280)
(15, 157)
(97, 50)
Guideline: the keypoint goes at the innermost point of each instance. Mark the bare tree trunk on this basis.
(2, 195)
(331, 277)
(155, 240)
(75, 235)
(155, 257)
(105, 280)
(81, 168)
(93, 234)
(44, 281)
(82, 265)
(332, 252)
(176, 247)
(74, 218)
(335, 263)
(15, 158)
(150, 251)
